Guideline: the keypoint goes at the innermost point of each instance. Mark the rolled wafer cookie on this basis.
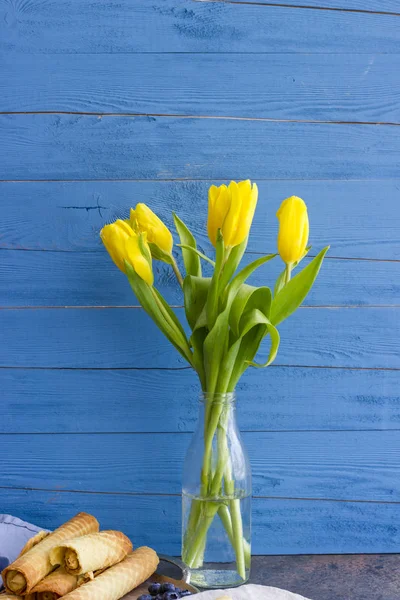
(91, 552)
(33, 541)
(27, 570)
(57, 584)
(119, 579)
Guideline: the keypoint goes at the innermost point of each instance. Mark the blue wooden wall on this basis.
(104, 104)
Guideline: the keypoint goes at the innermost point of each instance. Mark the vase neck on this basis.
(228, 399)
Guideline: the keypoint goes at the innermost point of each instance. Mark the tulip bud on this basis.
(136, 248)
(114, 237)
(143, 219)
(231, 209)
(293, 229)
(123, 244)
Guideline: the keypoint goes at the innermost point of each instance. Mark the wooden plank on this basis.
(329, 576)
(91, 279)
(90, 147)
(338, 465)
(280, 86)
(124, 338)
(127, 26)
(378, 6)
(279, 526)
(287, 398)
(358, 218)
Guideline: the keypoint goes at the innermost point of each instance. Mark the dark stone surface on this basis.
(332, 577)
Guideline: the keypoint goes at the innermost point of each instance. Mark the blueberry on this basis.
(178, 590)
(185, 593)
(170, 596)
(154, 588)
(167, 587)
(145, 597)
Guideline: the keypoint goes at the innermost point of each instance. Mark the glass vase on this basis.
(216, 498)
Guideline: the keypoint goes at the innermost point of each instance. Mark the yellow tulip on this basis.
(231, 209)
(143, 219)
(139, 262)
(122, 243)
(293, 229)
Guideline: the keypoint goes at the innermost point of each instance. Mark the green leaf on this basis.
(171, 315)
(200, 254)
(195, 290)
(159, 254)
(155, 308)
(233, 262)
(249, 297)
(295, 291)
(197, 340)
(255, 327)
(191, 260)
(244, 274)
(280, 282)
(214, 290)
(214, 348)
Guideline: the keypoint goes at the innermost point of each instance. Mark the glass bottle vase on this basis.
(216, 498)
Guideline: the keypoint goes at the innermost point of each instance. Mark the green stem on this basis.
(210, 509)
(237, 527)
(225, 516)
(288, 272)
(177, 271)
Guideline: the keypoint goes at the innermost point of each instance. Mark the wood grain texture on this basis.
(279, 526)
(124, 338)
(285, 398)
(329, 577)
(91, 147)
(385, 6)
(357, 218)
(313, 87)
(91, 279)
(339, 465)
(122, 26)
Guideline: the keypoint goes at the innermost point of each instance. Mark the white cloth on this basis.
(250, 592)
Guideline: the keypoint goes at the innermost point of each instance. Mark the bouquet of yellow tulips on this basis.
(227, 319)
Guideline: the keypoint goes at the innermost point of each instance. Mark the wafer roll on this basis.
(120, 579)
(24, 573)
(57, 584)
(33, 541)
(91, 552)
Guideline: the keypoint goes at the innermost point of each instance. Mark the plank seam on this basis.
(178, 495)
(249, 252)
(305, 7)
(102, 115)
(274, 366)
(190, 431)
(138, 307)
(190, 179)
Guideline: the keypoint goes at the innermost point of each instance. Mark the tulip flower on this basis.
(231, 209)
(123, 244)
(293, 229)
(143, 219)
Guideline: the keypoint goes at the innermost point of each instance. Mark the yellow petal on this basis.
(247, 209)
(135, 257)
(157, 232)
(293, 229)
(229, 228)
(219, 199)
(114, 237)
